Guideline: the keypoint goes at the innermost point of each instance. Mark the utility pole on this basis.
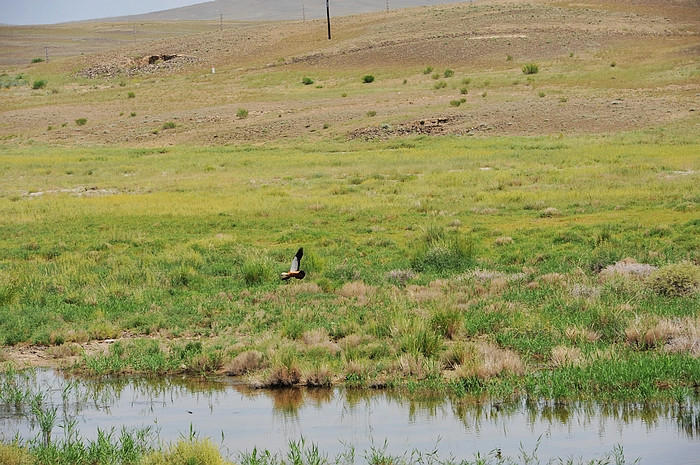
(303, 13)
(328, 17)
(46, 47)
(387, 6)
(221, 21)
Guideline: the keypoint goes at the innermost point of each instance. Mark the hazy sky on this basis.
(59, 11)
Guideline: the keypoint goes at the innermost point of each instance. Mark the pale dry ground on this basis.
(605, 66)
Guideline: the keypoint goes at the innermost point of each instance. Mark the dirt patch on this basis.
(110, 66)
(25, 356)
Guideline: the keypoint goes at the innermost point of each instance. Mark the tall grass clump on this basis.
(187, 451)
(256, 271)
(441, 251)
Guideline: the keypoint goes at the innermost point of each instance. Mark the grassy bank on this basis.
(494, 265)
(111, 450)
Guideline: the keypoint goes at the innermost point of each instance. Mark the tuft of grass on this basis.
(442, 251)
(187, 451)
(39, 84)
(81, 121)
(242, 113)
(368, 78)
(307, 81)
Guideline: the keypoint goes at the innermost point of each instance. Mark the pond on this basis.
(238, 418)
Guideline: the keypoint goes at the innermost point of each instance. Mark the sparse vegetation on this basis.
(307, 81)
(368, 78)
(39, 84)
(81, 121)
(242, 113)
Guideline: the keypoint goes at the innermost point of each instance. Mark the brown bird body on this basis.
(294, 271)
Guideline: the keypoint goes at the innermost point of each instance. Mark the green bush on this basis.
(242, 113)
(81, 121)
(368, 78)
(307, 81)
(37, 60)
(531, 68)
(676, 280)
(39, 84)
(448, 73)
(169, 125)
(428, 70)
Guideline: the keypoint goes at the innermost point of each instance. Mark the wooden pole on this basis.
(328, 17)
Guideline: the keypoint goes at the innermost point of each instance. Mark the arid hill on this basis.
(602, 66)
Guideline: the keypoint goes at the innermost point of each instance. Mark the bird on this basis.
(294, 271)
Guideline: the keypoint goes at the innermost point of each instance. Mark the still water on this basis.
(239, 419)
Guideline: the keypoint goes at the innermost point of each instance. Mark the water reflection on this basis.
(244, 418)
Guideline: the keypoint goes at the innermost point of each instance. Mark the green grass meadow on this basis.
(478, 264)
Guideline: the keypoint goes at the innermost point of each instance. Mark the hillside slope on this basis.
(451, 69)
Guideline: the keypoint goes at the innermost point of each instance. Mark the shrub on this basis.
(242, 113)
(531, 68)
(371, 113)
(307, 81)
(37, 60)
(368, 78)
(455, 103)
(131, 95)
(81, 121)
(39, 84)
(169, 125)
(676, 280)
(448, 73)
(440, 85)
(428, 70)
